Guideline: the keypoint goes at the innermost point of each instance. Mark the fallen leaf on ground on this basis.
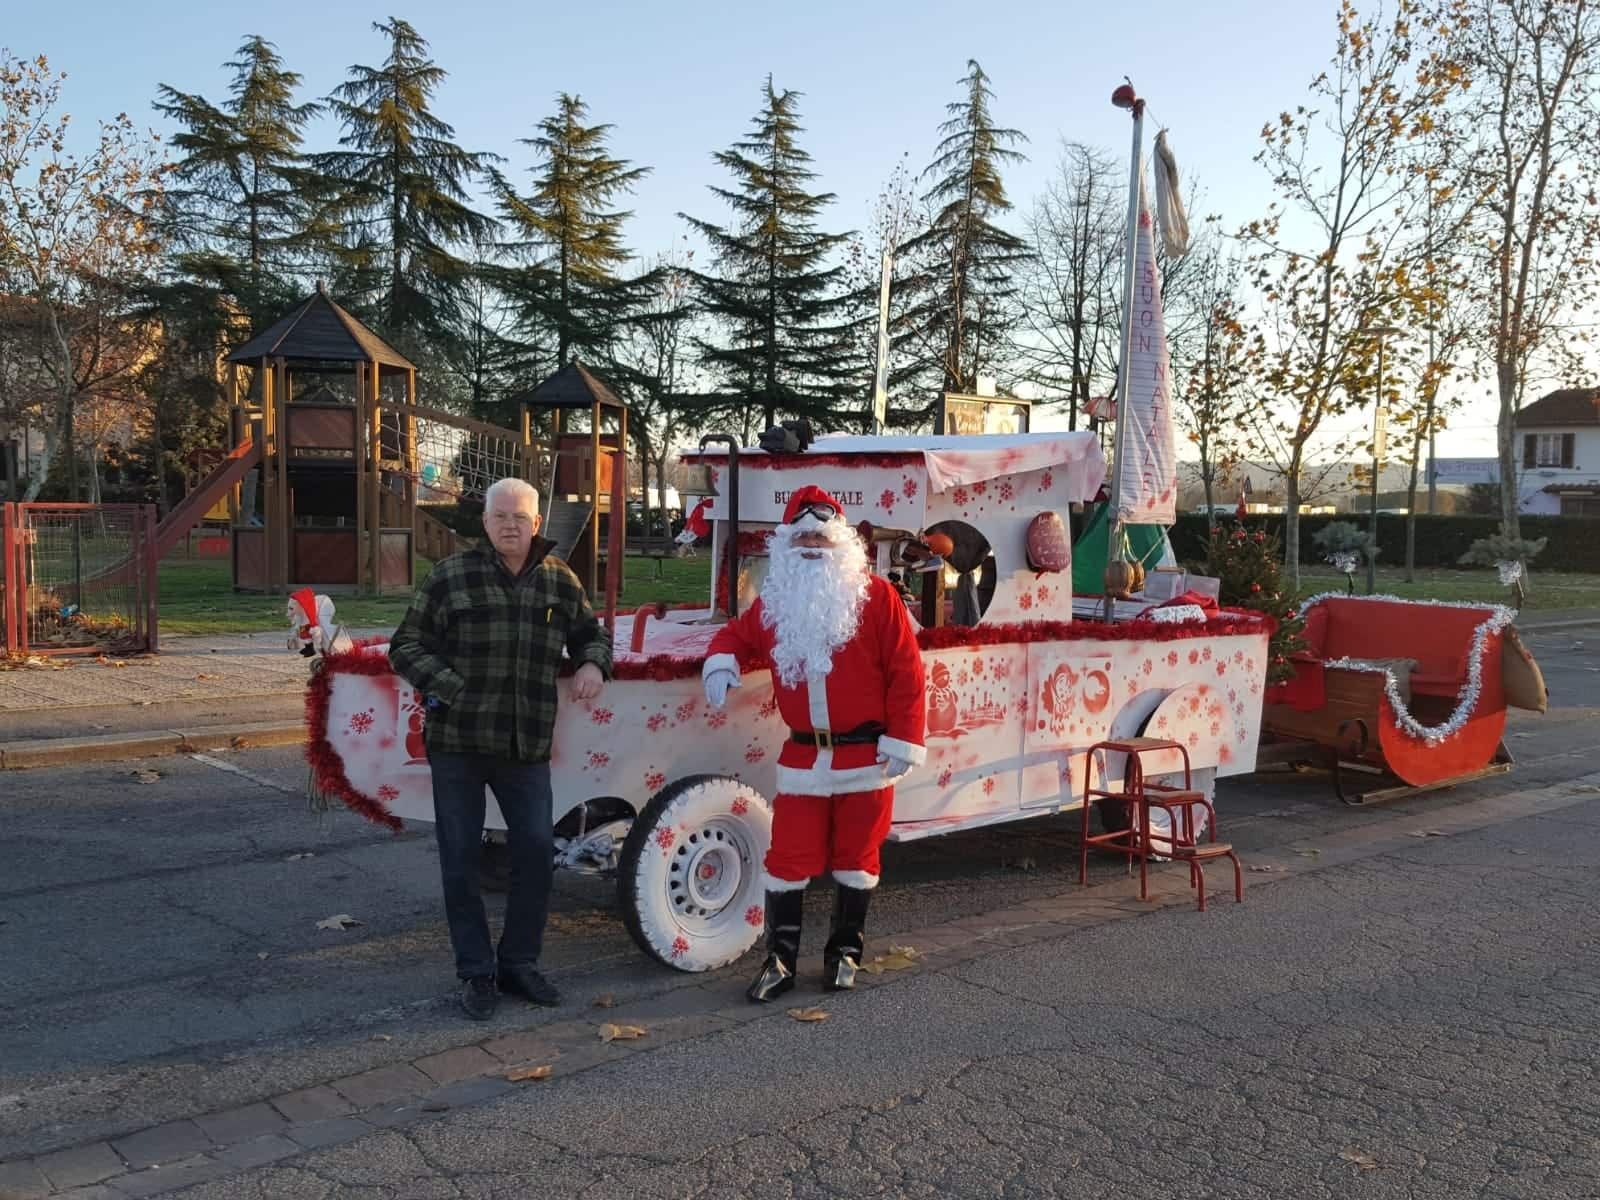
(1263, 867)
(899, 958)
(337, 921)
(240, 743)
(809, 1014)
(1311, 853)
(1361, 1159)
(620, 1033)
(1427, 833)
(300, 855)
(203, 675)
(262, 955)
(147, 776)
(381, 1037)
(605, 1000)
(1519, 852)
(524, 1074)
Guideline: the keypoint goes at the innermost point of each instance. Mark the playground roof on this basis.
(318, 330)
(570, 387)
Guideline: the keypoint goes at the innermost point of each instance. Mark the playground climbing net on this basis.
(452, 458)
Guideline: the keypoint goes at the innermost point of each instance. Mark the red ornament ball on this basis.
(1255, 587)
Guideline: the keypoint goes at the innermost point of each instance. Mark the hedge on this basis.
(1441, 540)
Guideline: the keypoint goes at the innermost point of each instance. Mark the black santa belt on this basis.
(826, 739)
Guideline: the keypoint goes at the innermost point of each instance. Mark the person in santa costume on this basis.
(847, 673)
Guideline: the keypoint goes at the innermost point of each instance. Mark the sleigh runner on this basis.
(673, 795)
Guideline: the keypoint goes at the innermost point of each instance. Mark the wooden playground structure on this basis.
(336, 472)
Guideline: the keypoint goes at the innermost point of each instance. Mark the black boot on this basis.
(847, 940)
(784, 910)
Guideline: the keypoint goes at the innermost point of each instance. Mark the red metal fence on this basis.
(78, 578)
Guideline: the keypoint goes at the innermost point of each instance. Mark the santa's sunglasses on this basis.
(822, 512)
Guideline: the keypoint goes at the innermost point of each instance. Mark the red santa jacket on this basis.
(875, 677)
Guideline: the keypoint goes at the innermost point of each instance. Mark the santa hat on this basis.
(306, 601)
(807, 509)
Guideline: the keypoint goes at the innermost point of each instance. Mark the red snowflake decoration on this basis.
(769, 706)
(908, 488)
(387, 792)
(656, 721)
(654, 781)
(981, 488)
(1233, 696)
(1222, 668)
(666, 837)
(1193, 739)
(1133, 688)
(680, 946)
(1046, 481)
(361, 722)
(1007, 492)
(1225, 753)
(944, 778)
(959, 496)
(1206, 654)
(1216, 728)
(598, 759)
(1194, 657)
(977, 665)
(1238, 656)
(1044, 593)
(755, 915)
(740, 806)
(602, 716)
(1172, 658)
(988, 786)
(686, 710)
(717, 719)
(1147, 666)
(754, 753)
(1025, 601)
(886, 501)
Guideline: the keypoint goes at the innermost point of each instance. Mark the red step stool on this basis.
(1137, 841)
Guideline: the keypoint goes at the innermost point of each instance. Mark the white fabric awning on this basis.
(956, 461)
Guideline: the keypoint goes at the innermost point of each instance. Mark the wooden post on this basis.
(594, 498)
(359, 462)
(286, 516)
(413, 462)
(375, 482)
(238, 430)
(269, 473)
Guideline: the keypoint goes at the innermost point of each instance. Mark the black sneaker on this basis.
(479, 998)
(525, 980)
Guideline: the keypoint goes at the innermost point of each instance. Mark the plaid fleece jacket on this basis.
(488, 648)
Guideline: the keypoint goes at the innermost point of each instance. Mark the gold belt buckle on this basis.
(824, 739)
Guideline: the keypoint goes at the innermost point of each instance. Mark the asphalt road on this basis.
(162, 960)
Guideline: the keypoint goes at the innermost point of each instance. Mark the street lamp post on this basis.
(1380, 428)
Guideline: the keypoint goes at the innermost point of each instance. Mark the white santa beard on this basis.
(813, 605)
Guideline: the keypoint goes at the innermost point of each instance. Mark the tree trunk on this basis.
(1291, 526)
(1206, 475)
(1411, 508)
(1507, 431)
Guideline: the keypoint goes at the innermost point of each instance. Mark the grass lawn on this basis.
(1549, 589)
(197, 596)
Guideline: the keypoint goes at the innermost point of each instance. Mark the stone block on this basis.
(382, 1086)
(312, 1104)
(242, 1124)
(466, 1062)
(162, 1144)
(80, 1165)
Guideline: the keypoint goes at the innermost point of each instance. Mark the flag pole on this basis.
(1124, 97)
(880, 373)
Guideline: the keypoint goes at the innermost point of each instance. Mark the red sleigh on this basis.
(1411, 693)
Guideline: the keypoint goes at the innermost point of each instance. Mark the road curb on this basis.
(1558, 626)
(153, 743)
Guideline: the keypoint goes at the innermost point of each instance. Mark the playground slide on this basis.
(213, 488)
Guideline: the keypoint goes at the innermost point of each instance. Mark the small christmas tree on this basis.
(1247, 566)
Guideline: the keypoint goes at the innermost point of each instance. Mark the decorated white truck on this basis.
(674, 796)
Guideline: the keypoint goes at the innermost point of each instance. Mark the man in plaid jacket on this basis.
(483, 641)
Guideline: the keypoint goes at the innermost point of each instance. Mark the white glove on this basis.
(894, 767)
(717, 684)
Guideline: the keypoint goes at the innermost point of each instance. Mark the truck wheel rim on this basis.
(708, 872)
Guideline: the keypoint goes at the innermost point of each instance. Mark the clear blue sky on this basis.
(681, 80)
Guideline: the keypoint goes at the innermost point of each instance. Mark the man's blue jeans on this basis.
(523, 792)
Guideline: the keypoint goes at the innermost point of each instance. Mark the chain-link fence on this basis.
(78, 578)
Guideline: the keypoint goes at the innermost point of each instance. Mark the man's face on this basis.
(812, 543)
(511, 523)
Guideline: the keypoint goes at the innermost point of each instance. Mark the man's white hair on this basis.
(519, 489)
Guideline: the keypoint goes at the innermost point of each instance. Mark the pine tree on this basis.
(786, 350)
(403, 192)
(959, 272)
(1248, 569)
(237, 211)
(571, 233)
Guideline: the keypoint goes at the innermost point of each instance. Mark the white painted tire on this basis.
(690, 883)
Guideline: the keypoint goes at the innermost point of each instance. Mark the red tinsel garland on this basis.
(326, 768)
